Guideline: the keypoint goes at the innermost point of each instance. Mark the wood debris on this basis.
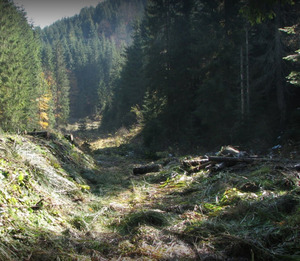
(228, 156)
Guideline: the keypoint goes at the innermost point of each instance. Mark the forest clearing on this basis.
(150, 130)
(60, 203)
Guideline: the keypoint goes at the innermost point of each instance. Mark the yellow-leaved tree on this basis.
(45, 103)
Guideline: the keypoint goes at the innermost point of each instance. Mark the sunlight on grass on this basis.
(120, 137)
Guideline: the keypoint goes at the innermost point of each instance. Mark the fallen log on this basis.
(241, 159)
(140, 170)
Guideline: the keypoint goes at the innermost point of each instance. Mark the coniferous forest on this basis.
(194, 73)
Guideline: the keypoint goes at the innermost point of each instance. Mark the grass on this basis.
(144, 217)
(93, 208)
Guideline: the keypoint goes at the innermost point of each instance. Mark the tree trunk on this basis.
(242, 84)
(278, 65)
(247, 72)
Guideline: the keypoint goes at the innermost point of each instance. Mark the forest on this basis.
(194, 74)
(151, 130)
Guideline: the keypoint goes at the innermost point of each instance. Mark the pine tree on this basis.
(62, 87)
(131, 87)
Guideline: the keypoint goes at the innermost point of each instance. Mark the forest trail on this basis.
(192, 74)
(98, 210)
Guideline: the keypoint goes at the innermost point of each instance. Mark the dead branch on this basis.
(69, 137)
(241, 159)
(205, 165)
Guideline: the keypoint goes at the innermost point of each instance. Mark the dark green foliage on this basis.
(258, 11)
(197, 74)
(61, 87)
(207, 75)
(129, 86)
(22, 83)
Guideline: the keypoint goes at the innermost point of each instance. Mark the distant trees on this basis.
(129, 85)
(90, 44)
(68, 69)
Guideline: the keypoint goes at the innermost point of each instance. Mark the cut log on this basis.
(229, 151)
(140, 170)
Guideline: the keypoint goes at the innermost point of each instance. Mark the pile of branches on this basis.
(228, 156)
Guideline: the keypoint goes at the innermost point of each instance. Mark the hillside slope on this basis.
(41, 185)
(58, 203)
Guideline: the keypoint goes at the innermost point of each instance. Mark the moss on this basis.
(204, 229)
(159, 176)
(103, 247)
(55, 163)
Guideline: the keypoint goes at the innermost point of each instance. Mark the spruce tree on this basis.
(20, 69)
(61, 88)
(131, 87)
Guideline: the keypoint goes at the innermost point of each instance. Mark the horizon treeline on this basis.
(194, 73)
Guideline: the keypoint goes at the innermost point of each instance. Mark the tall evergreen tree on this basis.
(20, 69)
(130, 90)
